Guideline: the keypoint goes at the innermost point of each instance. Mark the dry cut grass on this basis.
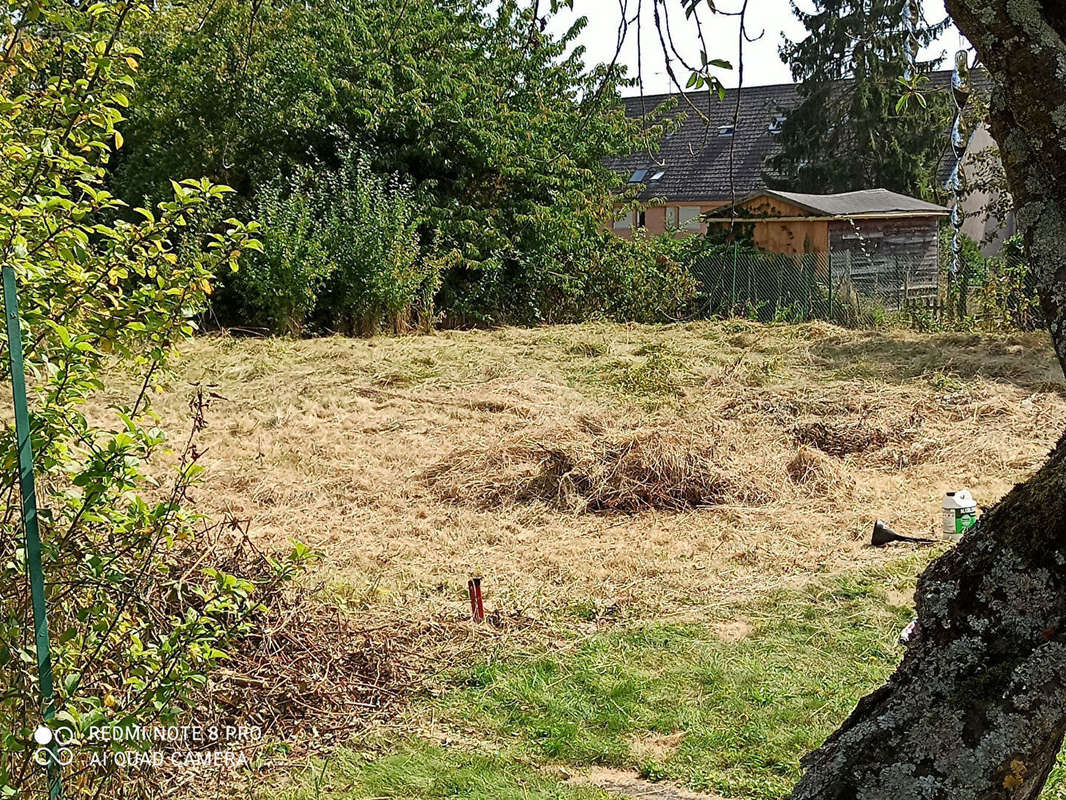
(590, 466)
(607, 471)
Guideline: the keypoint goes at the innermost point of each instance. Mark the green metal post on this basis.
(29, 521)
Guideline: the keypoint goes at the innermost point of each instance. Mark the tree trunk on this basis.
(977, 708)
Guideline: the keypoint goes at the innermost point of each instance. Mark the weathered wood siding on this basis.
(894, 256)
(792, 237)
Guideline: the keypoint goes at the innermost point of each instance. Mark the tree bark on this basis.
(977, 708)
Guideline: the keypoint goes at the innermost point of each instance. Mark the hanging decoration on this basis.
(912, 15)
(960, 141)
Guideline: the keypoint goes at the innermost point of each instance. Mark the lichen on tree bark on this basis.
(977, 708)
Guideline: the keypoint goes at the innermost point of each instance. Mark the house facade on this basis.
(710, 160)
(983, 222)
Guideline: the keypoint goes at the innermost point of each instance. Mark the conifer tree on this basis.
(850, 131)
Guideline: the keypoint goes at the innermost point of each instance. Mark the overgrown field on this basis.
(671, 525)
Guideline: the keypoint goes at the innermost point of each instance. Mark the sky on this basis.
(762, 65)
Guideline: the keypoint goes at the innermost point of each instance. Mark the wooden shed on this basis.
(869, 233)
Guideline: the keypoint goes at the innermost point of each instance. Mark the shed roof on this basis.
(863, 203)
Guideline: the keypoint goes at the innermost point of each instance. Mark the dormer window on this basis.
(777, 124)
(638, 175)
(725, 130)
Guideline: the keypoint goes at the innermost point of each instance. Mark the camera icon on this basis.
(53, 746)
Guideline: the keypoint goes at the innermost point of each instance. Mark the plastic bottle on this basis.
(960, 513)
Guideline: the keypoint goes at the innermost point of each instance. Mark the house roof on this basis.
(695, 160)
(864, 203)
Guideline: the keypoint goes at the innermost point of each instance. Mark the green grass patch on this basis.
(737, 715)
(727, 705)
(654, 374)
(418, 770)
(406, 372)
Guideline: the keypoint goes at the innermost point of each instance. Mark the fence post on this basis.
(733, 290)
(830, 285)
(906, 283)
(29, 524)
(780, 281)
(811, 263)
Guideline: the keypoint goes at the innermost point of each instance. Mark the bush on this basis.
(1008, 300)
(278, 287)
(341, 251)
(379, 274)
(599, 276)
(962, 277)
(644, 279)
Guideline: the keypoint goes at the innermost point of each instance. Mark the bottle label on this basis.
(964, 520)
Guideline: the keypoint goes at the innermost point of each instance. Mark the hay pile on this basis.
(842, 438)
(817, 472)
(587, 468)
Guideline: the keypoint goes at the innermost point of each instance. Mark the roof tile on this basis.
(695, 159)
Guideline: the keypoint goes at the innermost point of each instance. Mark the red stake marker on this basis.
(477, 605)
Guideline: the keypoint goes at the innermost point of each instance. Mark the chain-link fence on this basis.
(843, 288)
(853, 289)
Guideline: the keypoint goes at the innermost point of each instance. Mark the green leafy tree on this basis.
(132, 637)
(850, 130)
(497, 126)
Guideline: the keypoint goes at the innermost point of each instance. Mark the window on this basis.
(658, 175)
(690, 218)
(642, 220)
(638, 175)
(725, 130)
(777, 124)
(671, 217)
(624, 222)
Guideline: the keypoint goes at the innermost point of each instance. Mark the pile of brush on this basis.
(302, 675)
(308, 677)
(841, 439)
(584, 467)
(306, 674)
